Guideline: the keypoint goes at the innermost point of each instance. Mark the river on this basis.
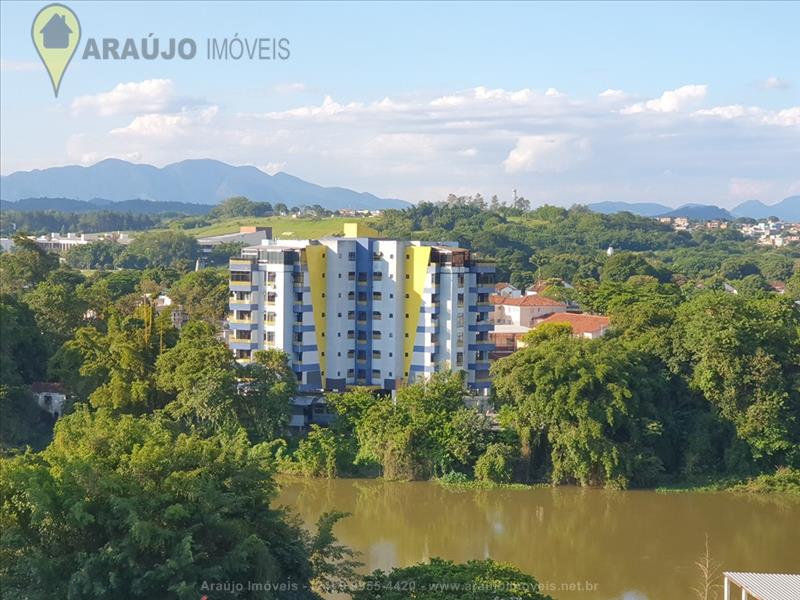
(579, 543)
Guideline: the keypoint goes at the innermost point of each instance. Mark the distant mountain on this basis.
(97, 204)
(201, 181)
(699, 212)
(787, 209)
(644, 209)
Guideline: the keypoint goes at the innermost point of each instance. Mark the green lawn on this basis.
(282, 227)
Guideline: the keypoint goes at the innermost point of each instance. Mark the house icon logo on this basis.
(56, 33)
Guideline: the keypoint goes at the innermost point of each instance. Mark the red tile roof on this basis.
(532, 300)
(581, 323)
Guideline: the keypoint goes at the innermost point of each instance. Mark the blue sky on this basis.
(572, 102)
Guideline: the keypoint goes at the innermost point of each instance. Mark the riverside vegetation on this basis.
(165, 460)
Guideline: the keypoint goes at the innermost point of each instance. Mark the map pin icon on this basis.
(56, 33)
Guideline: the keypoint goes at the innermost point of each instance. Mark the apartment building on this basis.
(362, 310)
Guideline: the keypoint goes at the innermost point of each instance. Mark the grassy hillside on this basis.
(282, 227)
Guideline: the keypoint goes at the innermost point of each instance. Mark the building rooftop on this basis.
(533, 300)
(767, 586)
(581, 323)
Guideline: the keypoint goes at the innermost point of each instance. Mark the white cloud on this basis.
(775, 83)
(167, 125)
(271, 168)
(149, 96)
(7, 66)
(743, 188)
(546, 153)
(551, 147)
(289, 87)
(670, 101)
(787, 117)
(611, 94)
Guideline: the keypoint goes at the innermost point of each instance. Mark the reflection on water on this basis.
(587, 543)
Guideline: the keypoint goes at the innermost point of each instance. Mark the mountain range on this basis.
(787, 209)
(202, 181)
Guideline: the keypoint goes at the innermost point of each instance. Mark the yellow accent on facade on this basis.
(359, 230)
(317, 266)
(416, 267)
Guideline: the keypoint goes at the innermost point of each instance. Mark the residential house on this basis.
(50, 397)
(583, 325)
(523, 311)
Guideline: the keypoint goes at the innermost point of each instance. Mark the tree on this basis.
(444, 580)
(128, 507)
(742, 353)
(495, 464)
(22, 422)
(23, 352)
(25, 266)
(203, 294)
(97, 255)
(264, 405)
(58, 309)
(124, 360)
(623, 265)
(199, 373)
(426, 431)
(159, 249)
(587, 411)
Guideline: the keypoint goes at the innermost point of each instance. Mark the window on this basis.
(376, 335)
(270, 337)
(459, 359)
(376, 374)
(376, 354)
(351, 314)
(362, 277)
(460, 280)
(271, 297)
(351, 334)
(351, 276)
(271, 318)
(351, 373)
(351, 256)
(377, 276)
(362, 355)
(271, 276)
(240, 276)
(351, 295)
(460, 299)
(351, 354)
(376, 315)
(362, 316)
(362, 296)
(298, 297)
(377, 296)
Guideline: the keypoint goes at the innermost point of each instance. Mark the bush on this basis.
(445, 580)
(495, 464)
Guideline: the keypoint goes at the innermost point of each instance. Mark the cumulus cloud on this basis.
(167, 125)
(670, 101)
(546, 153)
(148, 96)
(775, 83)
(545, 143)
(7, 66)
(290, 87)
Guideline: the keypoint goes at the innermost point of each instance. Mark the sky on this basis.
(564, 102)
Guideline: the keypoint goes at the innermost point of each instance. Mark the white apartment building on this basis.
(362, 310)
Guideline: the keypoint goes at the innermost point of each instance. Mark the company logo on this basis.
(56, 33)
